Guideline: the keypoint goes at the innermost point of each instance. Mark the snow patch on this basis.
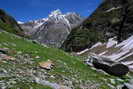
(19, 22)
(102, 53)
(38, 25)
(130, 54)
(111, 42)
(116, 56)
(127, 63)
(96, 45)
(113, 8)
(58, 16)
(79, 53)
(127, 44)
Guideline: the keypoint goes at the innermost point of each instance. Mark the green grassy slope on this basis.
(65, 65)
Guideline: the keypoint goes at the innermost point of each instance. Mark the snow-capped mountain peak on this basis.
(55, 13)
(69, 19)
(58, 17)
(54, 29)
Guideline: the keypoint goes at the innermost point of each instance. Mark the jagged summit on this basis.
(56, 13)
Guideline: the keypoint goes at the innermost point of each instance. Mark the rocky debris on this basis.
(53, 85)
(19, 71)
(64, 87)
(23, 70)
(46, 65)
(4, 54)
(5, 57)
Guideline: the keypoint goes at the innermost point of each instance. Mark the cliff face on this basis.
(111, 18)
(7, 21)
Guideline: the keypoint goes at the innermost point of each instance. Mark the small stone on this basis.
(52, 76)
(37, 57)
(46, 65)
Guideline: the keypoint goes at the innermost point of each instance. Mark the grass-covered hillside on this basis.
(23, 71)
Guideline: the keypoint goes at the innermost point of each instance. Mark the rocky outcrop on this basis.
(7, 21)
(111, 18)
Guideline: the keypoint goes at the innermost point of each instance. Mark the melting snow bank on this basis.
(97, 44)
(111, 43)
(79, 53)
(112, 51)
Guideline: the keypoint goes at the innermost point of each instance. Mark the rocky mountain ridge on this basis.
(53, 30)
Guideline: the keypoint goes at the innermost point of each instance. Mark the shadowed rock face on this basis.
(119, 70)
(115, 70)
(103, 24)
(125, 87)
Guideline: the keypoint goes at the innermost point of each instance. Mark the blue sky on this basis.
(25, 10)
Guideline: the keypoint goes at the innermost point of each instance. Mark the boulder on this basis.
(46, 65)
(99, 65)
(118, 70)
